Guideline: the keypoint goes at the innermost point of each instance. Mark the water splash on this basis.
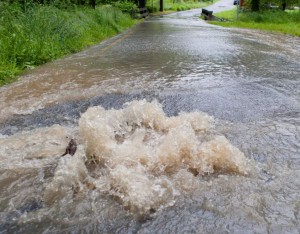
(145, 156)
(137, 155)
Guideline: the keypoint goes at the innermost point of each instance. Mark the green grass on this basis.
(187, 6)
(274, 21)
(231, 14)
(176, 5)
(45, 33)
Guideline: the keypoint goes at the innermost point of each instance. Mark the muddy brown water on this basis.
(182, 127)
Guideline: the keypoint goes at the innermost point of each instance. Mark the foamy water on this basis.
(146, 153)
(136, 155)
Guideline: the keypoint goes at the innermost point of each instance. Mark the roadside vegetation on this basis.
(269, 18)
(41, 33)
(177, 5)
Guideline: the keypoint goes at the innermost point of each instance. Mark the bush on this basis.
(125, 6)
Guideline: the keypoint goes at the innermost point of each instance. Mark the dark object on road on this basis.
(71, 148)
(236, 2)
(208, 15)
(144, 12)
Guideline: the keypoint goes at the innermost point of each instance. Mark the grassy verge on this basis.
(44, 33)
(275, 21)
(177, 5)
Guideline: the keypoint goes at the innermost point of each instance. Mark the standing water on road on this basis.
(181, 127)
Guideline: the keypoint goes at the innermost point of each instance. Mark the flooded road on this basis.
(181, 127)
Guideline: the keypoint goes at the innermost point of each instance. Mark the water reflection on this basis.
(155, 55)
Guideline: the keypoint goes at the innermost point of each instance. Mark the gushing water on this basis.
(136, 155)
(145, 153)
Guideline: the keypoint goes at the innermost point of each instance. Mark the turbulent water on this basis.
(137, 155)
(181, 127)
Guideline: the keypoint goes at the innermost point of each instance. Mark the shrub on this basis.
(125, 6)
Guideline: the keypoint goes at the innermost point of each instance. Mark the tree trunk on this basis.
(283, 5)
(161, 5)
